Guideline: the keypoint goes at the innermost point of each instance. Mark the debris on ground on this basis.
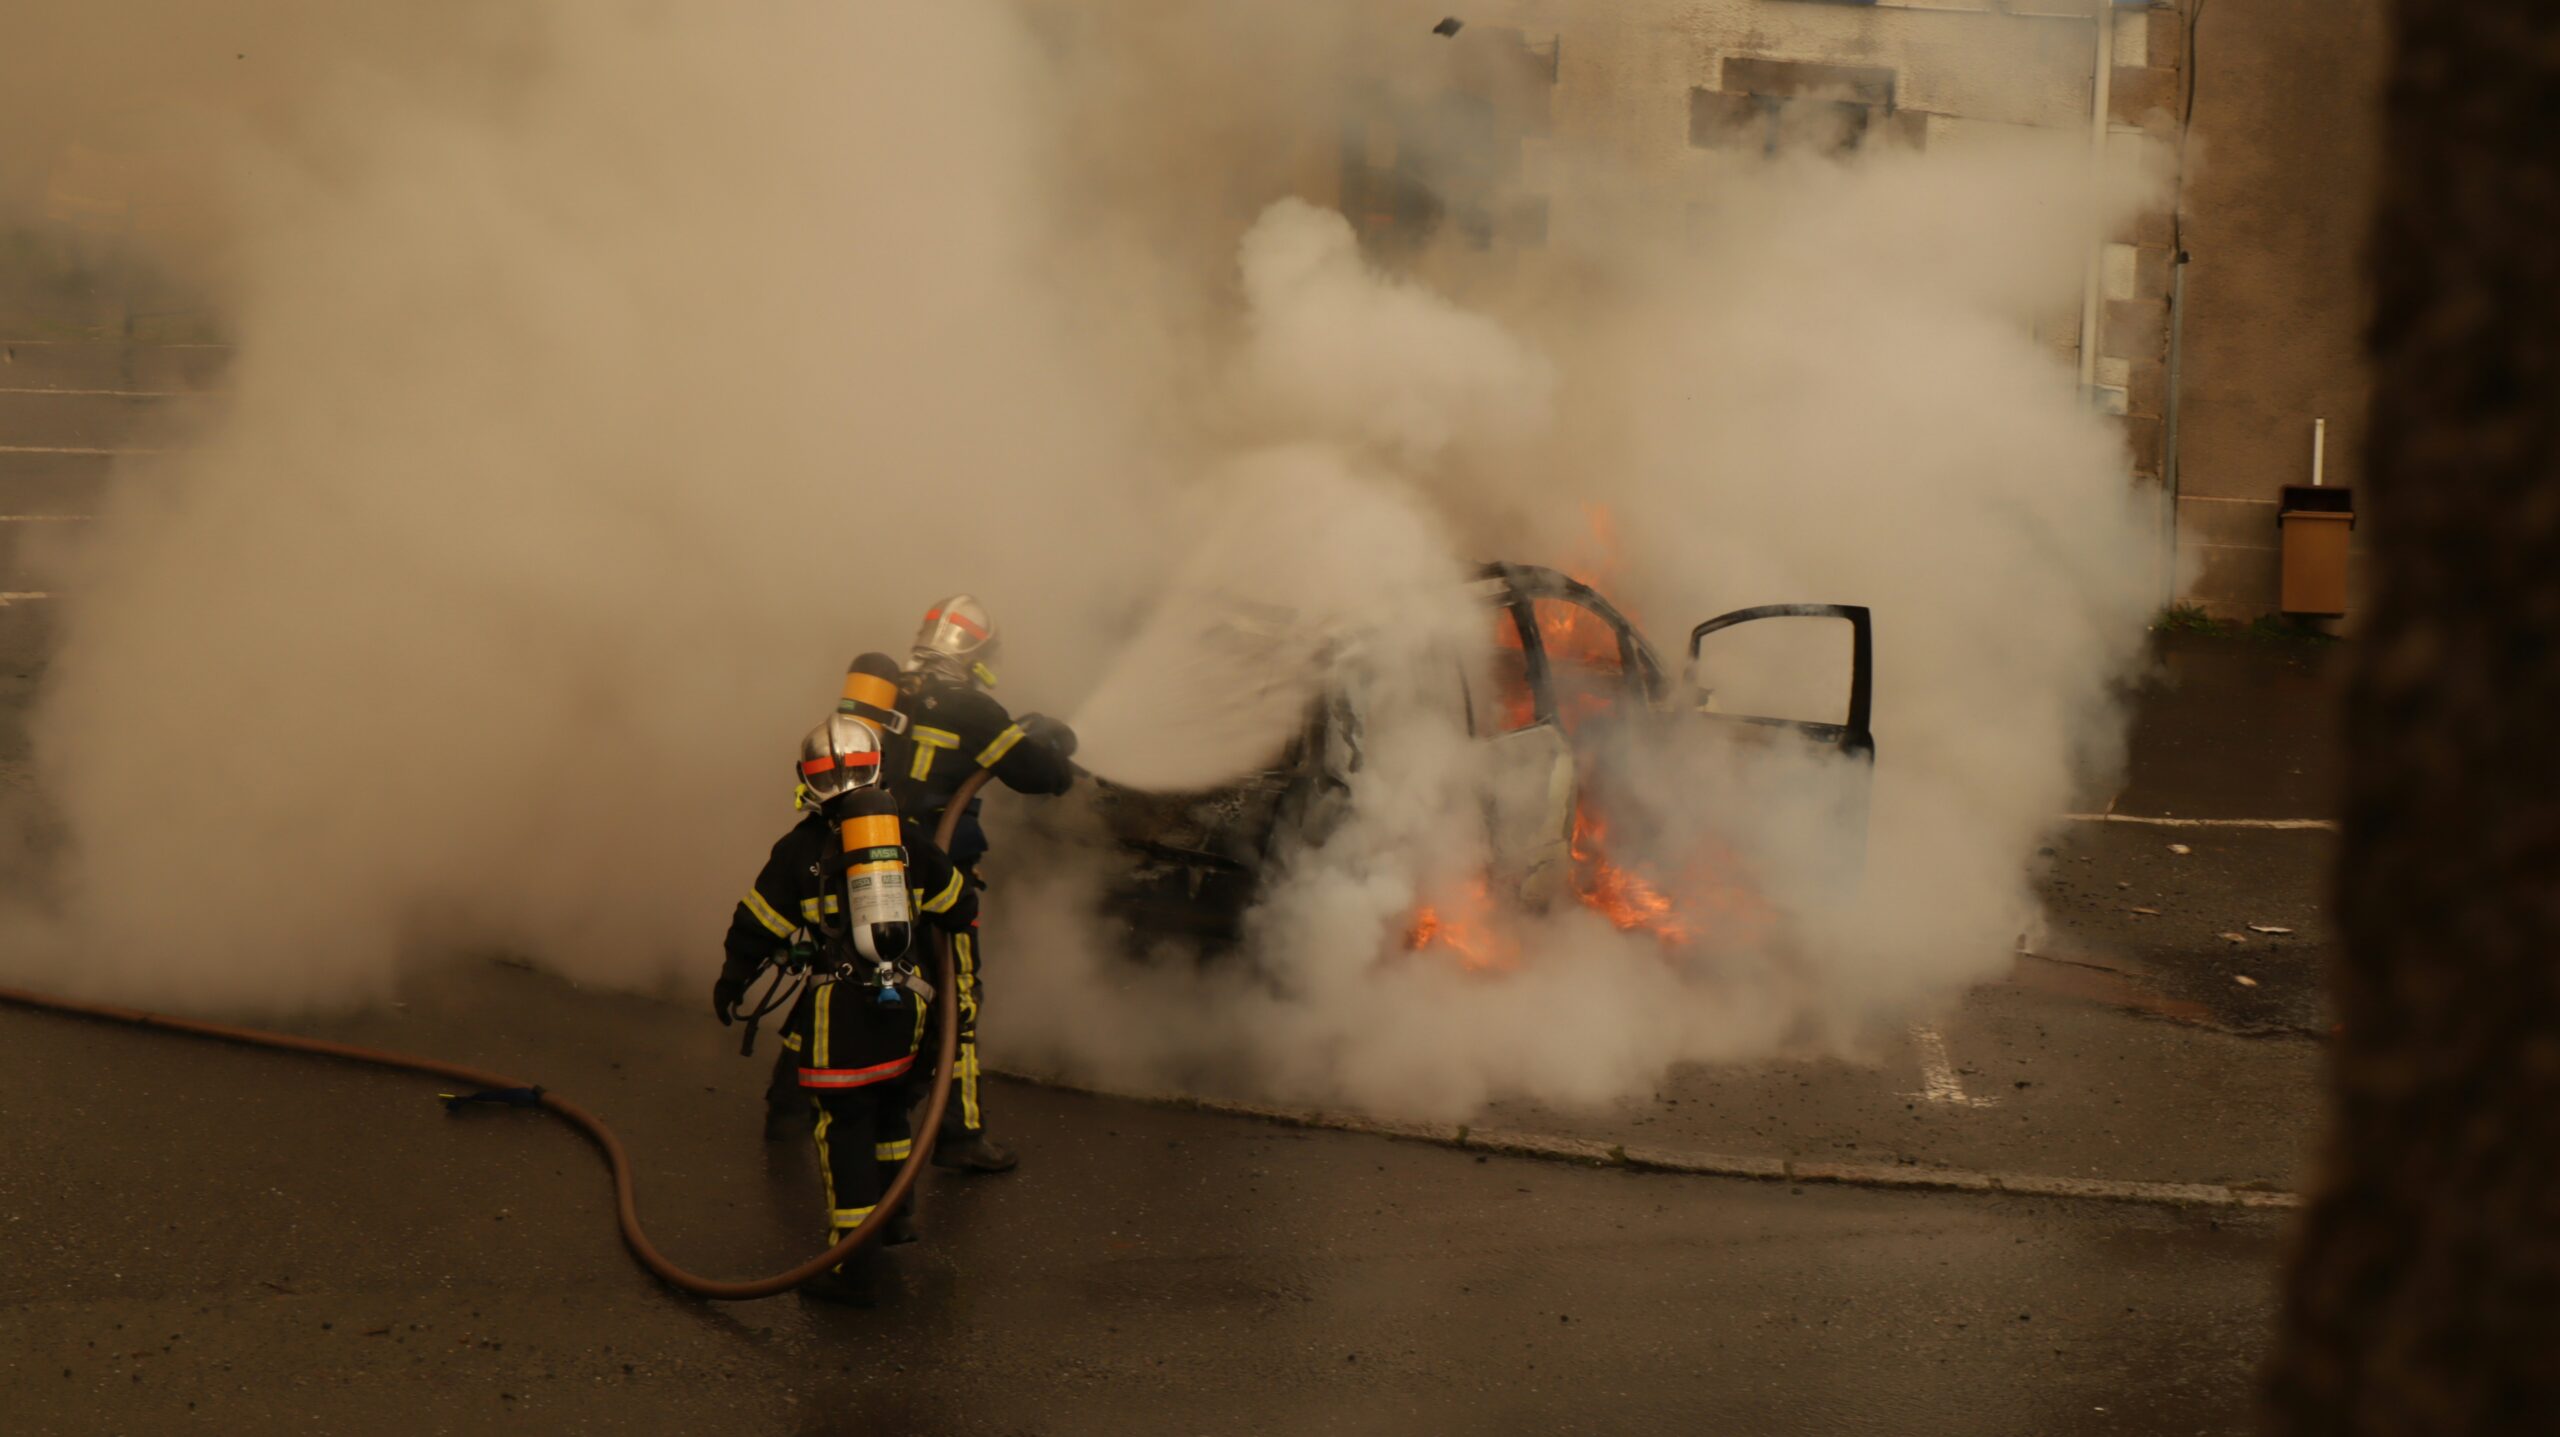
(2244, 980)
(2234, 937)
(2269, 928)
(2180, 849)
(2145, 912)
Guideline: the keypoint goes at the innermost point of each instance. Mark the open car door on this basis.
(1845, 786)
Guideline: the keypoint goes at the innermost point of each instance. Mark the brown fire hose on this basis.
(626, 1204)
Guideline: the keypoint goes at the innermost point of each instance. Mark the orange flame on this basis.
(1582, 651)
(1468, 929)
(1630, 902)
(1709, 895)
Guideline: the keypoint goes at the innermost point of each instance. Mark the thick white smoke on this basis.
(587, 418)
(590, 414)
(1846, 405)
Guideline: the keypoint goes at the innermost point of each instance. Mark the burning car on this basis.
(1570, 673)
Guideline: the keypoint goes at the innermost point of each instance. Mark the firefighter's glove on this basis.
(1053, 732)
(726, 995)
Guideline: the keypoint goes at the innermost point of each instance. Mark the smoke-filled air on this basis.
(608, 375)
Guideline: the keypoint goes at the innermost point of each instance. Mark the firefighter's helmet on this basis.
(838, 757)
(958, 641)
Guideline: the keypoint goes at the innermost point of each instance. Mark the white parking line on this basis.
(1938, 1081)
(103, 393)
(138, 345)
(2275, 823)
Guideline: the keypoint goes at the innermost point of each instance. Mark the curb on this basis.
(1549, 1147)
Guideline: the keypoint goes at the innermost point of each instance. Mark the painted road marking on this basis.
(2274, 823)
(7, 599)
(1938, 1081)
(136, 346)
(104, 393)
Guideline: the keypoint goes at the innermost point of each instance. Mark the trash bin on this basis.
(2315, 520)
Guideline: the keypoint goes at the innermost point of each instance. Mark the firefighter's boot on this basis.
(974, 1153)
(854, 1281)
(900, 1229)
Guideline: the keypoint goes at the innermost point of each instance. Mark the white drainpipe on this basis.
(2101, 100)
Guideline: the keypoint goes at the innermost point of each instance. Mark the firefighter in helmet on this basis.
(838, 900)
(955, 727)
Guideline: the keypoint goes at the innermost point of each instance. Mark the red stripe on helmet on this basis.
(965, 626)
(815, 766)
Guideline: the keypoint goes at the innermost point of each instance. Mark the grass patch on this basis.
(2187, 618)
(2191, 619)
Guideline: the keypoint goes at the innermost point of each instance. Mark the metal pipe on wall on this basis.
(2101, 101)
(2169, 430)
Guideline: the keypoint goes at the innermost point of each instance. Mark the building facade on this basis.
(2215, 328)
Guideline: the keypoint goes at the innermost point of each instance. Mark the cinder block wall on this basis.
(2271, 215)
(2279, 194)
(1673, 81)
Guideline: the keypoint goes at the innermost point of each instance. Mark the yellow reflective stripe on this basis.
(810, 908)
(774, 922)
(1003, 743)
(941, 902)
(826, 1170)
(985, 675)
(896, 1152)
(845, 1219)
(929, 742)
(968, 1066)
(791, 1041)
(818, 1047)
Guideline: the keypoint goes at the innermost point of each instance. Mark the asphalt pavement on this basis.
(204, 1238)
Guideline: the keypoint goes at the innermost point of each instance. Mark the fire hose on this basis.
(626, 1203)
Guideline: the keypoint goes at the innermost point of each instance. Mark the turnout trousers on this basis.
(962, 1119)
(854, 1050)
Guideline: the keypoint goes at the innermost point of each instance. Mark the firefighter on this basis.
(838, 898)
(871, 696)
(954, 727)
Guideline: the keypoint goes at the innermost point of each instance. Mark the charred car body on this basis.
(1570, 673)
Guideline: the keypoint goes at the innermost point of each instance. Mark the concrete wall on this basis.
(2281, 157)
(1627, 74)
(2284, 157)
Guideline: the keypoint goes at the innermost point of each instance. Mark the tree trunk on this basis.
(2424, 1297)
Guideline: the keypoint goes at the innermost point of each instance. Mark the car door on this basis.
(1841, 790)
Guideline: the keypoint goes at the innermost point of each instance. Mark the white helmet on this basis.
(839, 756)
(958, 641)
